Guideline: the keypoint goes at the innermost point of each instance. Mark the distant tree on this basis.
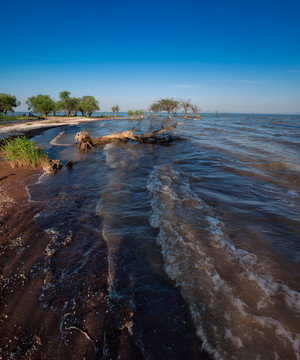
(130, 112)
(57, 107)
(195, 109)
(115, 109)
(155, 108)
(76, 105)
(89, 104)
(168, 105)
(42, 104)
(8, 103)
(139, 112)
(64, 97)
(186, 105)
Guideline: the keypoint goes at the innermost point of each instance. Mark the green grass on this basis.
(12, 117)
(22, 152)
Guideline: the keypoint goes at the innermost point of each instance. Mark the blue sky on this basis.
(231, 56)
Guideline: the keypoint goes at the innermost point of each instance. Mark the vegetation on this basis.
(42, 104)
(115, 109)
(89, 104)
(136, 112)
(169, 105)
(22, 152)
(195, 109)
(8, 103)
(12, 117)
(186, 105)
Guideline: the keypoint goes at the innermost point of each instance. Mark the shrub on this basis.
(22, 152)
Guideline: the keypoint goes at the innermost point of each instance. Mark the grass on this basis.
(12, 117)
(22, 152)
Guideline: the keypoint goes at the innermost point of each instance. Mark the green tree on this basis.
(42, 104)
(89, 104)
(8, 103)
(166, 105)
(57, 107)
(155, 108)
(64, 97)
(186, 105)
(195, 109)
(115, 109)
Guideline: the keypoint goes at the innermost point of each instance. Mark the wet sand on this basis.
(78, 320)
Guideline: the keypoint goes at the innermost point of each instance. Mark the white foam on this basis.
(192, 260)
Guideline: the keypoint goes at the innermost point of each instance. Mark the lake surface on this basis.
(215, 214)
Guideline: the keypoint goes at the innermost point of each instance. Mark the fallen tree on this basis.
(165, 135)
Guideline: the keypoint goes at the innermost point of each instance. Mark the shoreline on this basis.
(38, 320)
(28, 329)
(34, 127)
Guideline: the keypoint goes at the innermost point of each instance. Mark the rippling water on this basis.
(217, 213)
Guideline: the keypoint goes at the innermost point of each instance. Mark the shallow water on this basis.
(216, 213)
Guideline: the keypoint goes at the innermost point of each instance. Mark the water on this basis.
(215, 214)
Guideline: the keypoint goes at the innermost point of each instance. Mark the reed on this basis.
(22, 152)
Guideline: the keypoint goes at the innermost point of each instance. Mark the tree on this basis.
(195, 109)
(42, 104)
(57, 107)
(186, 105)
(89, 104)
(8, 102)
(115, 109)
(64, 96)
(155, 107)
(130, 112)
(167, 105)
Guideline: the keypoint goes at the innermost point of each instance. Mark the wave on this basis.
(229, 290)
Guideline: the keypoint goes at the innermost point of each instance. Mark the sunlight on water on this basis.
(217, 213)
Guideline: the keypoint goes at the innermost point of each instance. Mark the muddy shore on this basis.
(44, 318)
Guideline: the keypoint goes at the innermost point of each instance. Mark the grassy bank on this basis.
(22, 152)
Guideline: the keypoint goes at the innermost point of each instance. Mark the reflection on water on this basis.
(217, 214)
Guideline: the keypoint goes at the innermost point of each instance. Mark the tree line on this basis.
(173, 106)
(44, 104)
(87, 104)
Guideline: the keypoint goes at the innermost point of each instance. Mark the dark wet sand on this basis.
(92, 325)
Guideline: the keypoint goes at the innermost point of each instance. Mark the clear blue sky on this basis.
(233, 56)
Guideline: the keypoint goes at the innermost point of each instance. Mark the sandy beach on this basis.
(33, 127)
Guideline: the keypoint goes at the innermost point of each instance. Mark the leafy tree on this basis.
(167, 105)
(8, 102)
(139, 112)
(195, 109)
(130, 112)
(42, 104)
(115, 109)
(155, 107)
(57, 107)
(186, 105)
(89, 104)
(64, 97)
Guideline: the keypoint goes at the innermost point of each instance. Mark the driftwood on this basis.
(162, 136)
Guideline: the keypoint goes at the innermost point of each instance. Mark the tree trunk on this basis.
(86, 142)
(169, 114)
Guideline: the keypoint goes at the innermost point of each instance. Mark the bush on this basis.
(22, 152)
(12, 117)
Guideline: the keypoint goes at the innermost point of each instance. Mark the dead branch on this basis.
(161, 136)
